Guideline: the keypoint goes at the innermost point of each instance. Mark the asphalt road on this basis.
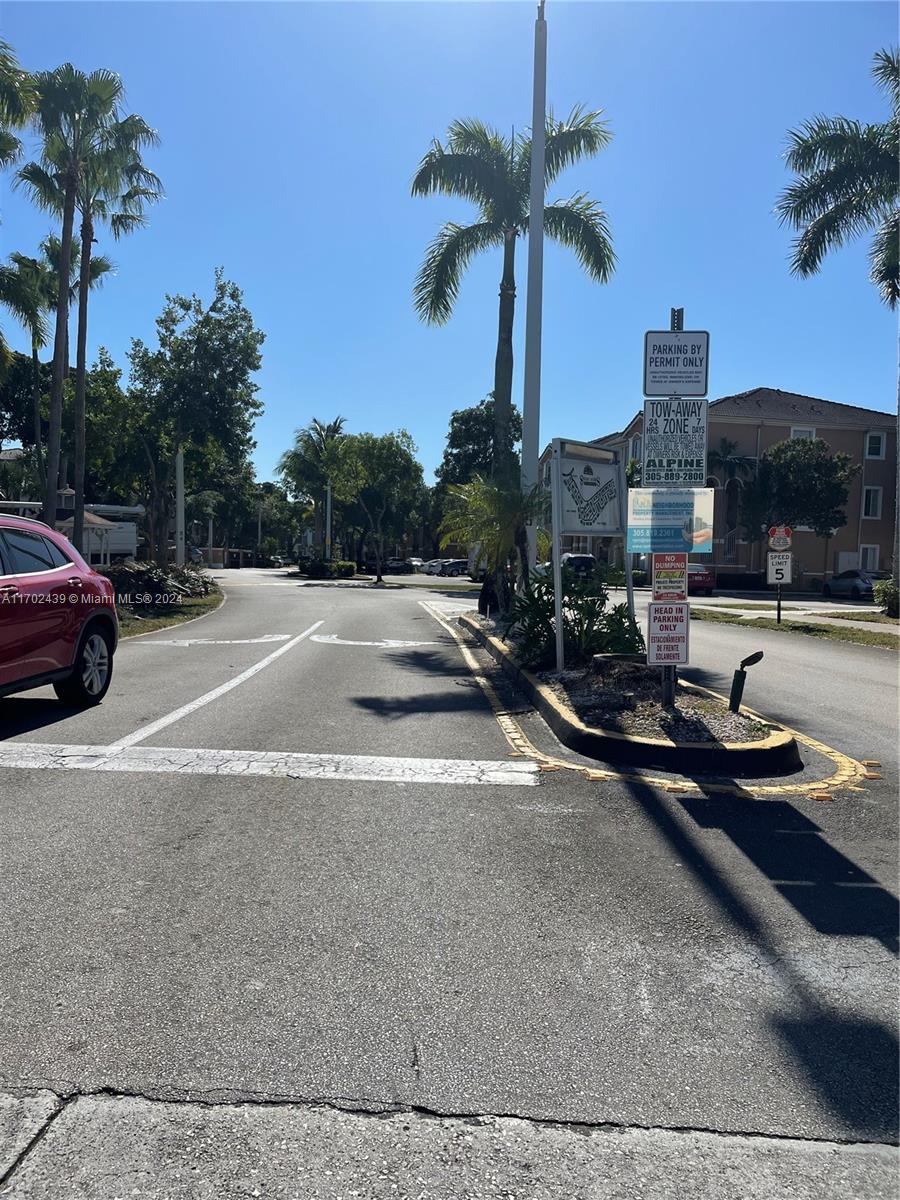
(271, 887)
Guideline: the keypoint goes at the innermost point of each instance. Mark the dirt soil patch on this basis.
(626, 697)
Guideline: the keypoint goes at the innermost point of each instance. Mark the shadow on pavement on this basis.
(833, 894)
(849, 1062)
(19, 714)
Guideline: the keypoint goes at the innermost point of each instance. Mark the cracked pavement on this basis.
(224, 976)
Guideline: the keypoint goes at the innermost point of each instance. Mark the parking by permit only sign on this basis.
(676, 363)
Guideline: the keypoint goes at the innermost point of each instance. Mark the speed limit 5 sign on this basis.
(778, 568)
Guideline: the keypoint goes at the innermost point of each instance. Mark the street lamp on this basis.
(740, 678)
(531, 403)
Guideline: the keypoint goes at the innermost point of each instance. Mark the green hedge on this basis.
(317, 569)
(887, 597)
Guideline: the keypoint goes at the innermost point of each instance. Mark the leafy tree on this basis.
(382, 476)
(848, 184)
(494, 173)
(194, 392)
(798, 482)
(470, 440)
(90, 150)
(305, 467)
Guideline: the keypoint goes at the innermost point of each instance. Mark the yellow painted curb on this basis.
(770, 755)
(848, 773)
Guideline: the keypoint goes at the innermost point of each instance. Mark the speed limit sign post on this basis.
(778, 571)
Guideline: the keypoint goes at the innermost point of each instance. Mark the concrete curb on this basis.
(777, 754)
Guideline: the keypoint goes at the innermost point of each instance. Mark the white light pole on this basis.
(531, 405)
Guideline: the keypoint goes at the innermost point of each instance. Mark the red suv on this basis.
(57, 616)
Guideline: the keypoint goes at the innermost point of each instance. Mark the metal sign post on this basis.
(778, 568)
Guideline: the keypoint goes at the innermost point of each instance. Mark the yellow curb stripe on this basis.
(848, 771)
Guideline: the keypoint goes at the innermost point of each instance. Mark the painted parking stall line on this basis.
(287, 764)
(267, 638)
(147, 731)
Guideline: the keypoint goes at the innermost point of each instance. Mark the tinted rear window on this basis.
(28, 553)
(59, 559)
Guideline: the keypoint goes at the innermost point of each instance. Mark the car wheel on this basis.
(826, 590)
(92, 672)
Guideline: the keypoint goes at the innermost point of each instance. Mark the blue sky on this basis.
(290, 133)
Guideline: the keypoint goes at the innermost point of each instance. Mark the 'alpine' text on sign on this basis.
(675, 443)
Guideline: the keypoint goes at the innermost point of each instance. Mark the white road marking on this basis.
(331, 639)
(269, 637)
(291, 765)
(154, 727)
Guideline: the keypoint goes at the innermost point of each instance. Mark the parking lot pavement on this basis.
(310, 874)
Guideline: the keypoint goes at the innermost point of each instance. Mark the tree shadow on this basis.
(849, 1062)
(466, 700)
(831, 892)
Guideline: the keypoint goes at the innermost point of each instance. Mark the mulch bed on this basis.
(625, 697)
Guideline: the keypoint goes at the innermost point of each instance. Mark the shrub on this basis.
(315, 568)
(887, 597)
(639, 578)
(588, 627)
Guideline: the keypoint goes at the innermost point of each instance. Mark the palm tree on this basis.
(491, 513)
(492, 171)
(42, 275)
(72, 115)
(726, 459)
(16, 103)
(305, 467)
(848, 184)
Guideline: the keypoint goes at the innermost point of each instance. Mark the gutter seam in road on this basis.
(365, 1106)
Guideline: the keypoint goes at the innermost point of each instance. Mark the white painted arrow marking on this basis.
(269, 637)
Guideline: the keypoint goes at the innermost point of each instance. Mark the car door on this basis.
(45, 608)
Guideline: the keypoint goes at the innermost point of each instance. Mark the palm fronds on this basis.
(581, 225)
(437, 283)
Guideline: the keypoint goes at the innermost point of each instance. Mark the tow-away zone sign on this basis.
(667, 634)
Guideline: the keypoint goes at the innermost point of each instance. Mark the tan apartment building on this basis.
(752, 422)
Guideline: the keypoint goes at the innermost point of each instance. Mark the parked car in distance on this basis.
(582, 565)
(417, 564)
(857, 584)
(700, 579)
(454, 566)
(58, 621)
(398, 566)
(433, 566)
(277, 560)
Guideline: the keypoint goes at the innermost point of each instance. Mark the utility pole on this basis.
(179, 509)
(328, 521)
(531, 404)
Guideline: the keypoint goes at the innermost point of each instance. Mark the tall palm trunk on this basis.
(503, 364)
(84, 283)
(59, 351)
(36, 414)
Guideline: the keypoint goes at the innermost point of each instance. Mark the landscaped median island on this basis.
(609, 708)
(150, 598)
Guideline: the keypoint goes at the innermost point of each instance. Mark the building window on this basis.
(872, 502)
(868, 558)
(874, 445)
(804, 432)
(635, 452)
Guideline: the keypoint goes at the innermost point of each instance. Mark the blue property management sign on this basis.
(667, 518)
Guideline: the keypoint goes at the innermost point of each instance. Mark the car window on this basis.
(59, 559)
(27, 552)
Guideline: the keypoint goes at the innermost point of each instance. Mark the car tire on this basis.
(92, 672)
(826, 590)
